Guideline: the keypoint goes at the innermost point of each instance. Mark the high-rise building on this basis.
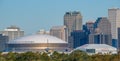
(114, 18)
(89, 27)
(102, 33)
(3, 41)
(13, 32)
(77, 38)
(103, 24)
(73, 21)
(58, 31)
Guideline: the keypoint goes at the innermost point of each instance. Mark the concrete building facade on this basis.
(73, 21)
(89, 27)
(13, 32)
(58, 31)
(102, 33)
(114, 18)
(104, 25)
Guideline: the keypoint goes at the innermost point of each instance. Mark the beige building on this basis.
(114, 18)
(102, 33)
(73, 21)
(90, 26)
(12, 32)
(104, 25)
(58, 31)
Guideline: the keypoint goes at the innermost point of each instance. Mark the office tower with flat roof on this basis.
(13, 32)
(58, 31)
(73, 21)
(114, 18)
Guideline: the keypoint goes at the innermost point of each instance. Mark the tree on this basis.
(44, 57)
(1, 57)
(78, 55)
(11, 56)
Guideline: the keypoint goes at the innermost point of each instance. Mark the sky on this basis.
(33, 15)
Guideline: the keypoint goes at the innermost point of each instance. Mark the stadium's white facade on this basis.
(97, 49)
(37, 43)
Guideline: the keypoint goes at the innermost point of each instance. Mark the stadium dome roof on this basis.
(95, 46)
(37, 39)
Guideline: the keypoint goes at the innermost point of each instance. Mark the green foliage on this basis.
(78, 56)
(28, 56)
(11, 56)
(56, 56)
(44, 57)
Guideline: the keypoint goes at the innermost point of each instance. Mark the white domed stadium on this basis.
(37, 43)
(97, 48)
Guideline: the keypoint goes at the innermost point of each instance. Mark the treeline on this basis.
(55, 56)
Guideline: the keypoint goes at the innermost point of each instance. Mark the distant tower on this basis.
(114, 18)
(104, 25)
(102, 33)
(89, 27)
(58, 31)
(73, 21)
(13, 32)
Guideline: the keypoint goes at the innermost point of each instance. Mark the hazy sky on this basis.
(32, 15)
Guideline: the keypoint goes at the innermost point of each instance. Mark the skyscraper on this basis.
(12, 32)
(104, 25)
(73, 21)
(102, 33)
(114, 18)
(58, 31)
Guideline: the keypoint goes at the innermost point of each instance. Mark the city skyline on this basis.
(32, 16)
